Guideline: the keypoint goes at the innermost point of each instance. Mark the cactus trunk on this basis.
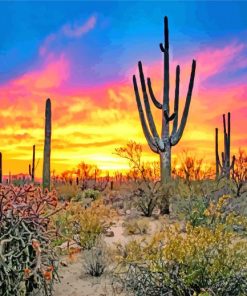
(47, 147)
(165, 165)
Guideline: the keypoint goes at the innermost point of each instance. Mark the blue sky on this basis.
(125, 32)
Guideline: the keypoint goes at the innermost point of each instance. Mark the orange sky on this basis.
(90, 122)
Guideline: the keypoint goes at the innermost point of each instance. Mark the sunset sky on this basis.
(83, 54)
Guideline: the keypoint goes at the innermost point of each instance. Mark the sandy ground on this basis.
(73, 280)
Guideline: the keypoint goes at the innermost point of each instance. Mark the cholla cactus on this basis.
(27, 261)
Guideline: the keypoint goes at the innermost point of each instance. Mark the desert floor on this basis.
(74, 281)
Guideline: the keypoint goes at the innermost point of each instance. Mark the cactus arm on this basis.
(175, 139)
(167, 117)
(142, 118)
(176, 101)
(148, 110)
(156, 103)
(223, 159)
(225, 139)
(233, 162)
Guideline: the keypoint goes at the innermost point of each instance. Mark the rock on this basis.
(63, 263)
(121, 212)
(156, 214)
(71, 246)
(133, 213)
(109, 233)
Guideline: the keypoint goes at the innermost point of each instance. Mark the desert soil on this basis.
(74, 282)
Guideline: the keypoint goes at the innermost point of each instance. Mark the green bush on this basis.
(96, 259)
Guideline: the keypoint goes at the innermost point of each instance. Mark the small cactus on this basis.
(32, 167)
(224, 167)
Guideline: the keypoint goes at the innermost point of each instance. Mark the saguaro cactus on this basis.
(32, 167)
(47, 147)
(162, 145)
(224, 167)
(1, 168)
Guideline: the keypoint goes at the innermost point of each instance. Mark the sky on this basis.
(83, 54)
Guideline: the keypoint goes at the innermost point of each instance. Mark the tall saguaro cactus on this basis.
(224, 167)
(162, 144)
(1, 168)
(32, 167)
(47, 147)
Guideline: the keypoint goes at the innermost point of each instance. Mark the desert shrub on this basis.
(136, 226)
(149, 194)
(90, 223)
(66, 192)
(203, 212)
(62, 222)
(96, 259)
(27, 260)
(203, 260)
(239, 174)
(84, 225)
(87, 194)
(195, 211)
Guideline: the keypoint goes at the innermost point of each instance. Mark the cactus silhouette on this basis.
(32, 167)
(162, 145)
(47, 147)
(224, 167)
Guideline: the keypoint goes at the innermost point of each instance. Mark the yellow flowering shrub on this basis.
(84, 225)
(202, 260)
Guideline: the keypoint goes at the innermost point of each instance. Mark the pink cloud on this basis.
(48, 40)
(52, 75)
(214, 60)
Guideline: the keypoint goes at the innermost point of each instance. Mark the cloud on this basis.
(51, 75)
(79, 30)
(68, 31)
